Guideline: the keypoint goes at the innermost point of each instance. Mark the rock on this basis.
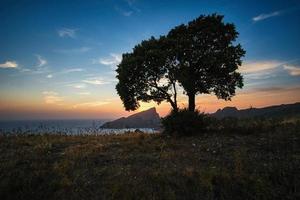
(145, 119)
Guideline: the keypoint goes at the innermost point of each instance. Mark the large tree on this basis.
(200, 56)
(146, 74)
(207, 57)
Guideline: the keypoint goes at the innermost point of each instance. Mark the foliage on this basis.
(185, 122)
(207, 58)
(200, 57)
(146, 74)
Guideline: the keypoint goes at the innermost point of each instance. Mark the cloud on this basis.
(258, 70)
(49, 93)
(292, 70)
(96, 81)
(131, 4)
(265, 69)
(91, 104)
(41, 61)
(123, 12)
(67, 32)
(9, 64)
(112, 61)
(66, 71)
(84, 93)
(51, 97)
(38, 68)
(264, 16)
(269, 89)
(274, 90)
(259, 66)
(77, 86)
(74, 50)
(128, 8)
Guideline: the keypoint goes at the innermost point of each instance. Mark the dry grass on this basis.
(140, 166)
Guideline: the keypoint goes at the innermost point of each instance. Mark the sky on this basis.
(58, 58)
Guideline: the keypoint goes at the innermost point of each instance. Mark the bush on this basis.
(185, 122)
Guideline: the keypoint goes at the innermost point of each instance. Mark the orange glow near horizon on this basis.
(114, 108)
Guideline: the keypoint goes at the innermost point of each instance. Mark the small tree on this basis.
(200, 56)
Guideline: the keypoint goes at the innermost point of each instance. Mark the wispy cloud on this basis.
(35, 71)
(258, 70)
(112, 61)
(65, 71)
(123, 12)
(264, 16)
(131, 4)
(38, 68)
(71, 70)
(9, 64)
(41, 61)
(96, 81)
(74, 50)
(91, 104)
(259, 66)
(51, 97)
(84, 93)
(292, 70)
(67, 32)
(128, 8)
(276, 90)
(77, 85)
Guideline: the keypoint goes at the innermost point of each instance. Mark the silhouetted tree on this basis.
(146, 74)
(200, 56)
(207, 57)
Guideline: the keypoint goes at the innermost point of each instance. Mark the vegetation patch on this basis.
(212, 165)
(185, 122)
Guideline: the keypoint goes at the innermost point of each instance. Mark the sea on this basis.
(66, 127)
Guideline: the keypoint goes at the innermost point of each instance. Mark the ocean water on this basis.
(69, 127)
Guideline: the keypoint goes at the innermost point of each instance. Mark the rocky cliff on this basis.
(145, 119)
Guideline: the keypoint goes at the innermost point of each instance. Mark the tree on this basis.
(146, 74)
(200, 56)
(207, 57)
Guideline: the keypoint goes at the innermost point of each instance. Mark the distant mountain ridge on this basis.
(145, 119)
(150, 118)
(270, 111)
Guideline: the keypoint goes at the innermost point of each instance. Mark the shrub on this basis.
(185, 122)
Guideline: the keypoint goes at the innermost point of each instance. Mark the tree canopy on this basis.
(146, 74)
(200, 57)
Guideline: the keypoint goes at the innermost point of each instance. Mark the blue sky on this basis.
(62, 54)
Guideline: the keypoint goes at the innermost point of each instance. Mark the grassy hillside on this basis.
(222, 164)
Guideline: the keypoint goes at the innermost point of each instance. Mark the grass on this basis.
(233, 164)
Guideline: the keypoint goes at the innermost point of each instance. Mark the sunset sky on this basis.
(57, 58)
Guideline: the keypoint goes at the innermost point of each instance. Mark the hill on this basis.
(284, 110)
(145, 119)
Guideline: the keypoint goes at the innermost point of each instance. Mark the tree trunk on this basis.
(174, 106)
(175, 109)
(191, 102)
